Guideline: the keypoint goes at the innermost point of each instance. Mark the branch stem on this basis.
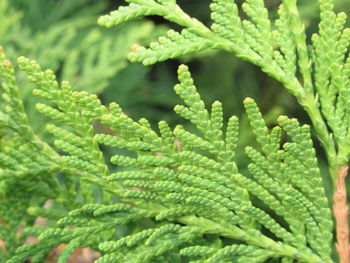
(340, 210)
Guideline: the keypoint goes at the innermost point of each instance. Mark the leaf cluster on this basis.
(316, 73)
(187, 183)
(190, 199)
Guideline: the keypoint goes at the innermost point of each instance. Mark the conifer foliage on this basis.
(188, 183)
(183, 189)
(316, 74)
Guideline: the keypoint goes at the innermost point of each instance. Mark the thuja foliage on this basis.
(317, 74)
(183, 189)
(187, 182)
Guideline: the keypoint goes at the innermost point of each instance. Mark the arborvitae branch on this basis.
(324, 88)
(198, 186)
(187, 184)
(282, 53)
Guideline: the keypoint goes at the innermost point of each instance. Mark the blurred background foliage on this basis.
(63, 35)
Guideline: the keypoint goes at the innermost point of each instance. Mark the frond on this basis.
(314, 74)
(187, 183)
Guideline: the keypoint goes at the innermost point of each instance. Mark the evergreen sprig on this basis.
(315, 73)
(184, 189)
(187, 182)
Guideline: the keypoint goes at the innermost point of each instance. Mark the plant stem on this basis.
(235, 232)
(340, 210)
(310, 105)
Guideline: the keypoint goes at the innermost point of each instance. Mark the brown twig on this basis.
(340, 210)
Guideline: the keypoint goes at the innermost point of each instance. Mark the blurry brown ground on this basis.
(81, 255)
